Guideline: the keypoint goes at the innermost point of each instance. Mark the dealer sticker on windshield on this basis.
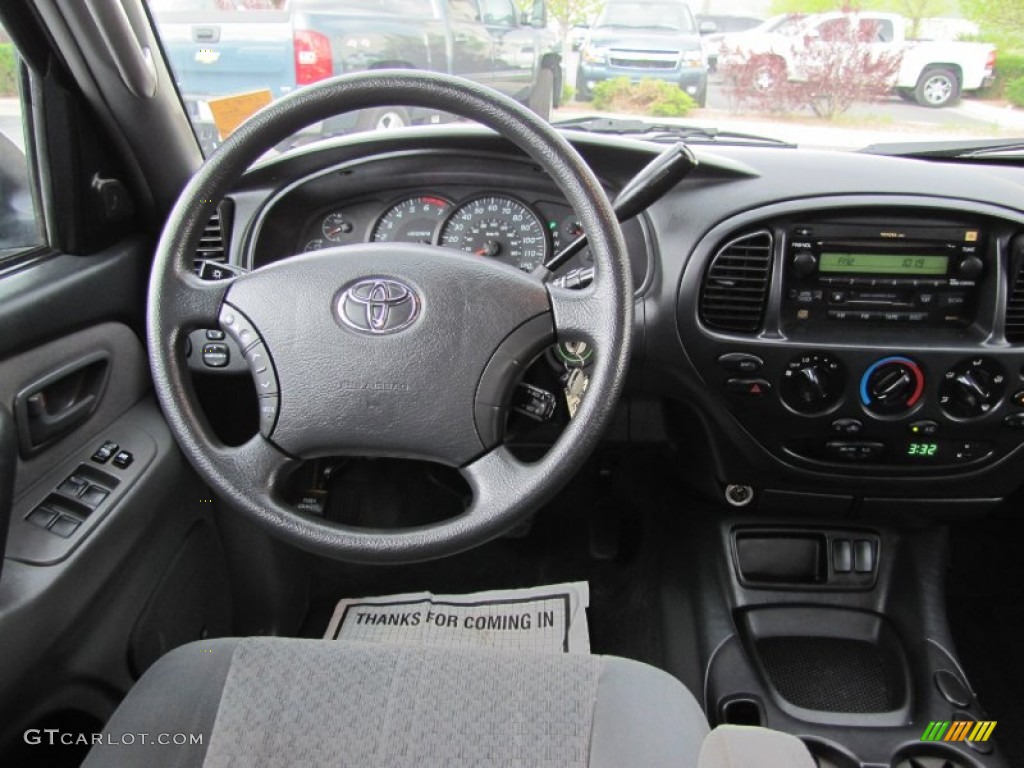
(550, 619)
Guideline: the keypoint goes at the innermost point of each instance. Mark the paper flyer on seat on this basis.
(547, 619)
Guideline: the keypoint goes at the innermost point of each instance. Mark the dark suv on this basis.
(644, 40)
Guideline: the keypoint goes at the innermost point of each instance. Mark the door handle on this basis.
(54, 405)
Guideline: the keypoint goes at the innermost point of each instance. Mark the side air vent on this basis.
(735, 289)
(213, 243)
(1015, 298)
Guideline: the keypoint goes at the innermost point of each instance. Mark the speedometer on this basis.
(497, 227)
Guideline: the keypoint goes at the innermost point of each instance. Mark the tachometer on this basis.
(497, 227)
(411, 221)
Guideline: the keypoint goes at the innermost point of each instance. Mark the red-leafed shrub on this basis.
(827, 73)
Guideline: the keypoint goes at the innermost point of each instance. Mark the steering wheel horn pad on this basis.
(346, 387)
(388, 349)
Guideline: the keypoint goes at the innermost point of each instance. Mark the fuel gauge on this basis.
(336, 226)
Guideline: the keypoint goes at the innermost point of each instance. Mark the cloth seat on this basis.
(288, 702)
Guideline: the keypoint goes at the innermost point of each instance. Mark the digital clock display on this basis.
(882, 264)
(923, 450)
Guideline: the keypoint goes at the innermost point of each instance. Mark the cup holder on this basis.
(741, 710)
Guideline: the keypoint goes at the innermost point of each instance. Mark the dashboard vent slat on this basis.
(735, 290)
(1015, 298)
(213, 243)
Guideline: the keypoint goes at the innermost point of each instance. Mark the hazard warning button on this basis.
(749, 387)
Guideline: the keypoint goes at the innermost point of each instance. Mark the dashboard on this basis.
(835, 331)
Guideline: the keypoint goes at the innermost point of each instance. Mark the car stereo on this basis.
(878, 273)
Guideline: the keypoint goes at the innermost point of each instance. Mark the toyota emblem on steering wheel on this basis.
(378, 305)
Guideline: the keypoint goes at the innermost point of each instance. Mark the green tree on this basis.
(1000, 20)
(913, 10)
(568, 12)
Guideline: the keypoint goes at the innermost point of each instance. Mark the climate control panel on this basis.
(894, 413)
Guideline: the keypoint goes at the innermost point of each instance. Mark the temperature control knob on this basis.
(972, 388)
(812, 383)
(892, 385)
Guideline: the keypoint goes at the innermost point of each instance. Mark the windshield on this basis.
(640, 15)
(814, 80)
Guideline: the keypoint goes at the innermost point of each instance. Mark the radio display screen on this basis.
(883, 264)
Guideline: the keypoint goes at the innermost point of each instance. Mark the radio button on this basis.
(953, 300)
(916, 317)
(837, 297)
(925, 299)
(838, 314)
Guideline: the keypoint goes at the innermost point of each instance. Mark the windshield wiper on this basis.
(691, 134)
(950, 150)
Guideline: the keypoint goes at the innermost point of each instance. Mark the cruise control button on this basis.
(268, 414)
(1018, 398)
(748, 387)
(216, 355)
(741, 362)
(262, 371)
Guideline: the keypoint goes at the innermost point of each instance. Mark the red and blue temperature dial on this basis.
(892, 385)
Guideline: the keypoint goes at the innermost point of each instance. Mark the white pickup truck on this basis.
(931, 73)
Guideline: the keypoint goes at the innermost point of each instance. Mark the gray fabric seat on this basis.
(281, 702)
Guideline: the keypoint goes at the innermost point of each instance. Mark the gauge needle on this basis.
(491, 248)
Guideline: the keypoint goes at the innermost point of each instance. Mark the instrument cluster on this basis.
(486, 224)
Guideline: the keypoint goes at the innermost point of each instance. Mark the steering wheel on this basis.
(386, 349)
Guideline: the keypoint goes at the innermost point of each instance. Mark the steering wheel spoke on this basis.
(257, 462)
(576, 313)
(195, 303)
(492, 478)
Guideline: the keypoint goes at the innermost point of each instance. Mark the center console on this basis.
(866, 342)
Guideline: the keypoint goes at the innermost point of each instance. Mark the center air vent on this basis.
(735, 289)
(1015, 298)
(213, 243)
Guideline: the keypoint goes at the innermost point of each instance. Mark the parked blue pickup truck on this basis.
(220, 47)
